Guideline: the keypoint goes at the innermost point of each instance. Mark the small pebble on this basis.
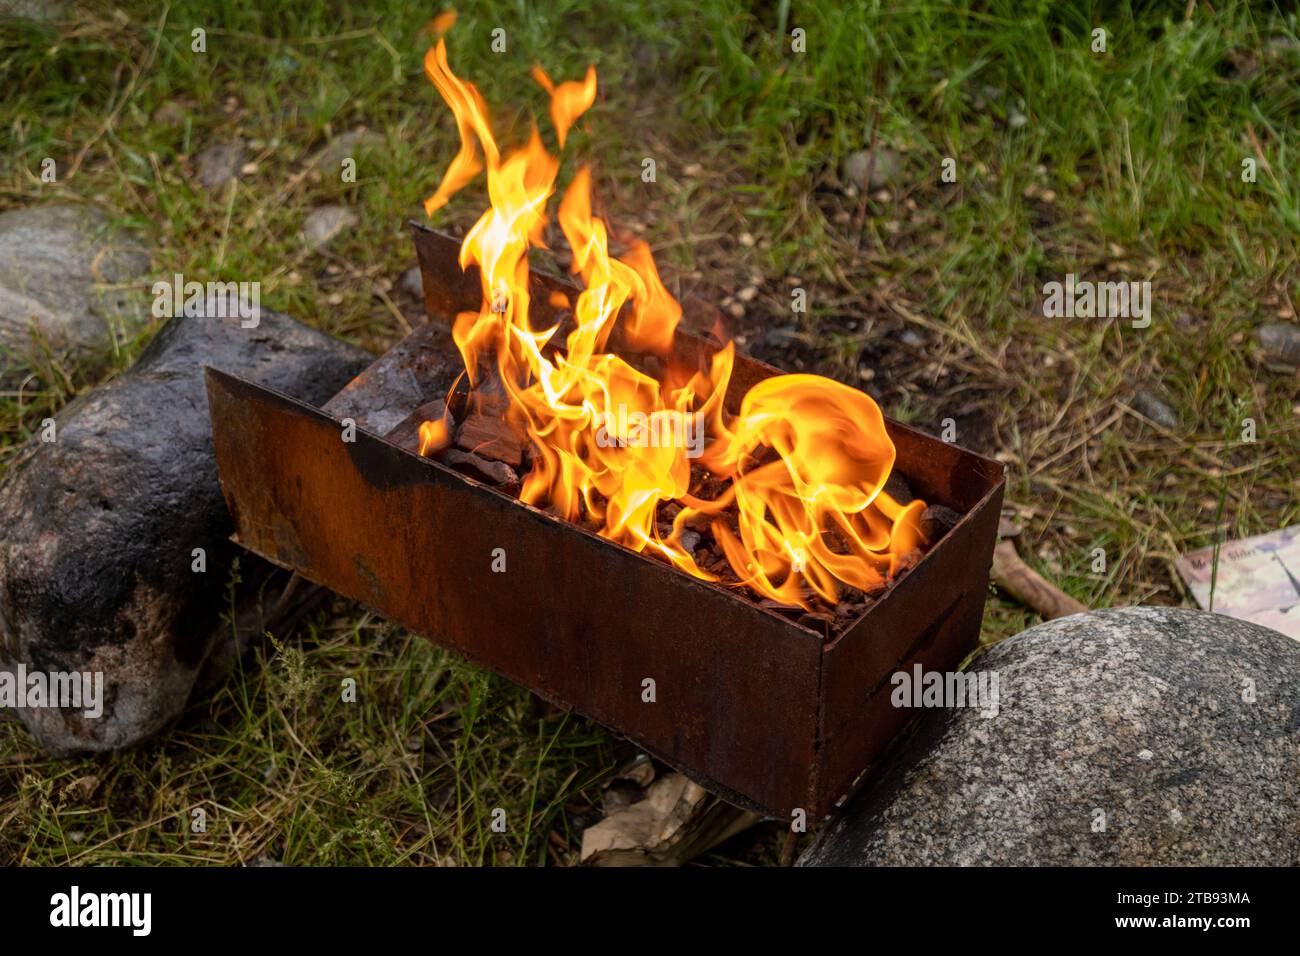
(1151, 406)
(411, 282)
(327, 222)
(1281, 344)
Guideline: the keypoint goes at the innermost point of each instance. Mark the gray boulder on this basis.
(65, 281)
(1138, 736)
(100, 526)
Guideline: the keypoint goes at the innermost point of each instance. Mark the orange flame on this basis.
(807, 458)
(433, 436)
(568, 100)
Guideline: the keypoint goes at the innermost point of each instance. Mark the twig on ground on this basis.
(1027, 586)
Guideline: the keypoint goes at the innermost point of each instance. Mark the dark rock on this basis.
(100, 525)
(1177, 729)
(63, 273)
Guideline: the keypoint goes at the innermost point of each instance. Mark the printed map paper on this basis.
(1258, 579)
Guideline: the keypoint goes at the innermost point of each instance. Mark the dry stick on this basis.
(365, 275)
(1089, 436)
(1259, 151)
(876, 83)
(126, 96)
(960, 334)
(788, 848)
(1028, 586)
(397, 313)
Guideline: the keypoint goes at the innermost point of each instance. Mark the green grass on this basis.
(1126, 164)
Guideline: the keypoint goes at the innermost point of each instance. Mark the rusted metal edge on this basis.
(234, 382)
(939, 612)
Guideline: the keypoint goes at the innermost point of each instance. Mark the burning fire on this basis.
(806, 458)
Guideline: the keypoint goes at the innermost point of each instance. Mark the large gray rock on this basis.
(65, 281)
(1177, 729)
(96, 557)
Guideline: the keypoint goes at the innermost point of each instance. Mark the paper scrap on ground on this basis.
(1258, 579)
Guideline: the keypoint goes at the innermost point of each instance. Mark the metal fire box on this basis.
(766, 712)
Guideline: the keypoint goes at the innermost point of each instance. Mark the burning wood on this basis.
(491, 436)
(484, 469)
(485, 447)
(786, 495)
(417, 432)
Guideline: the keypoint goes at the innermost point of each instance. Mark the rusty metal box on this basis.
(768, 713)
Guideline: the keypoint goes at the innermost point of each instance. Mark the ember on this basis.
(791, 491)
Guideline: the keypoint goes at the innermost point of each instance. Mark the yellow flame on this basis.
(569, 100)
(433, 436)
(806, 458)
